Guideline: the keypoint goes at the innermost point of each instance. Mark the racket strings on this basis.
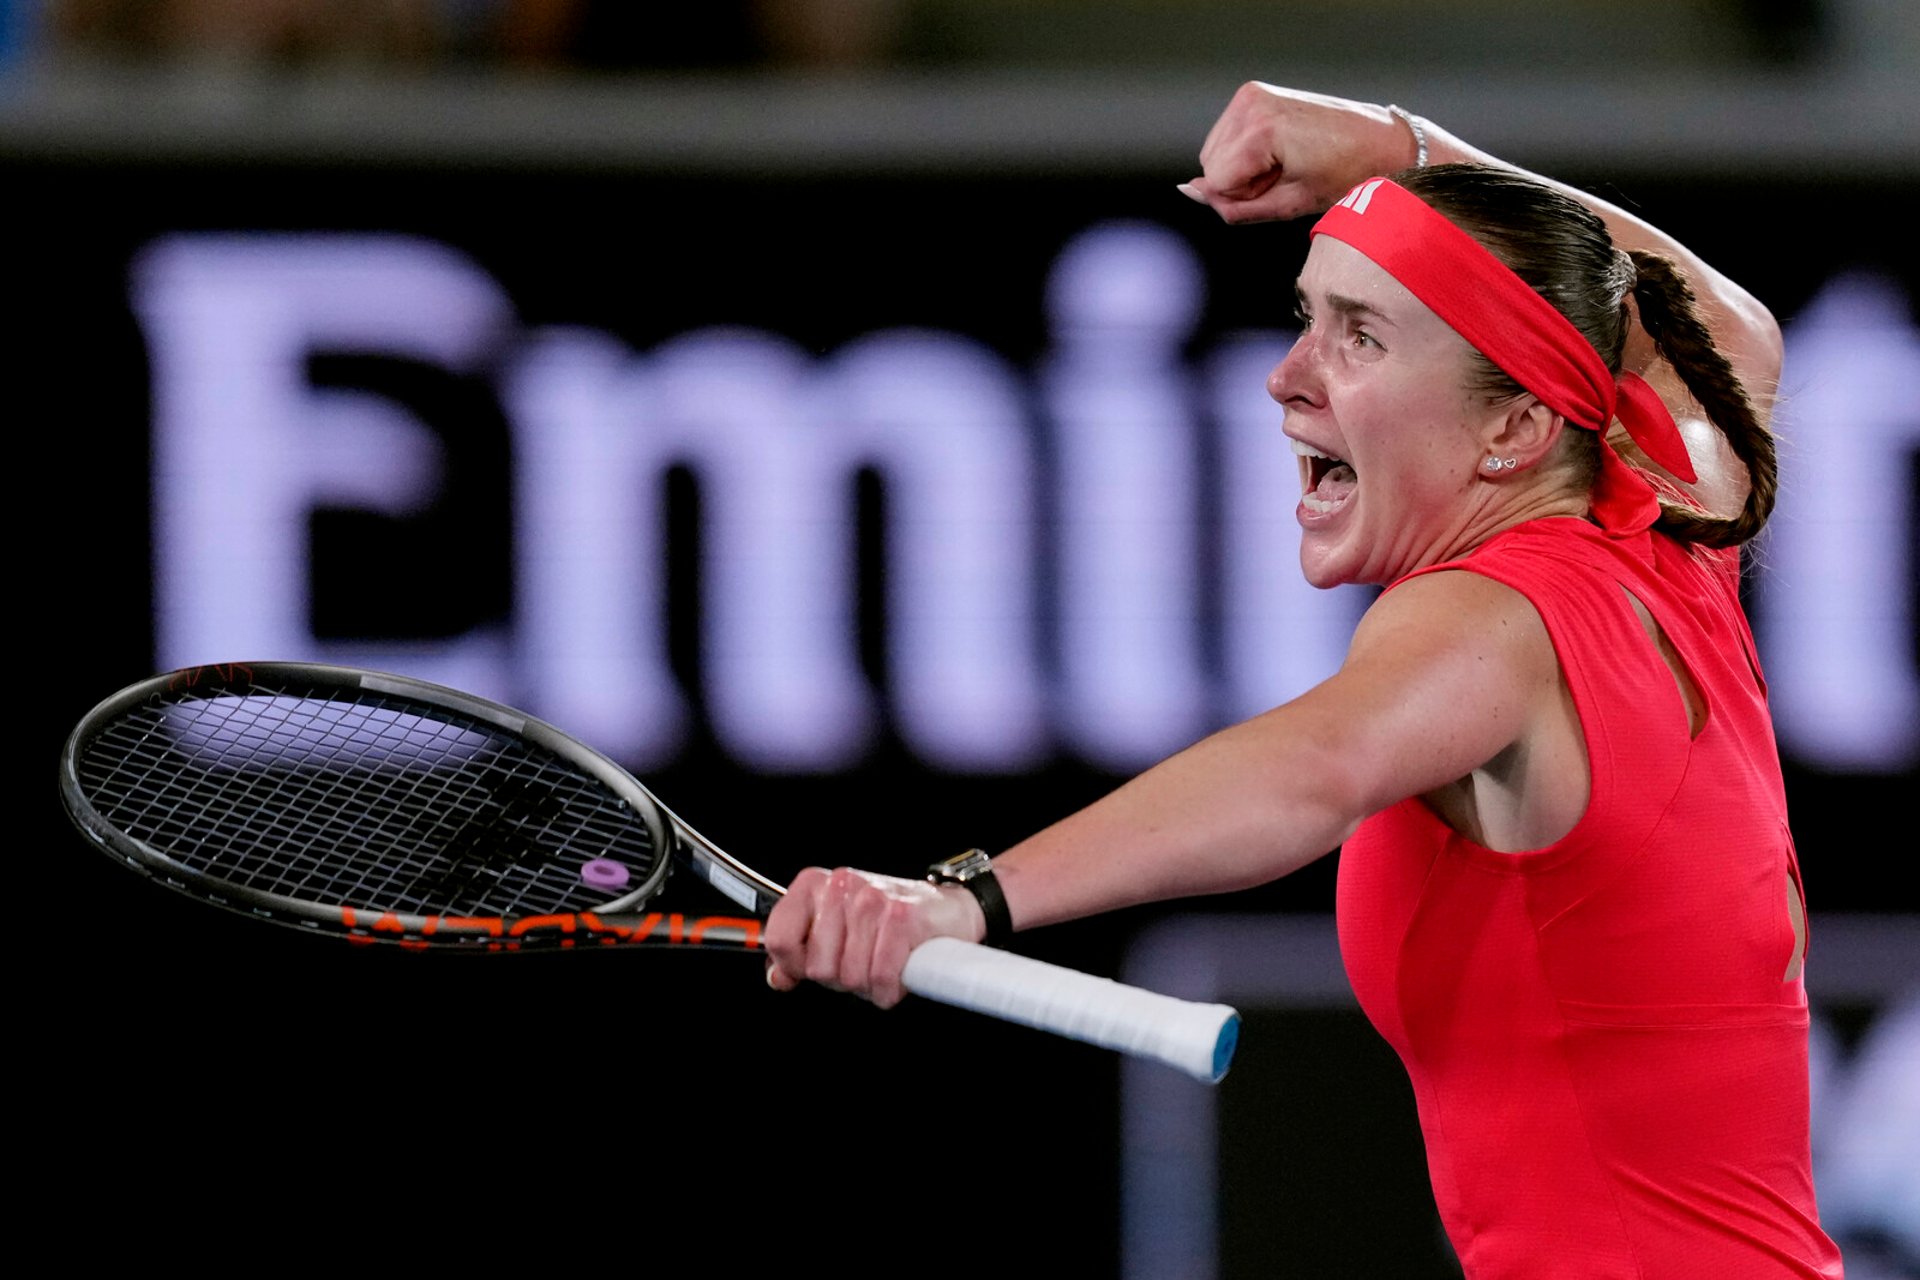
(360, 799)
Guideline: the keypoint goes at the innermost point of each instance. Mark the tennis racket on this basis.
(384, 809)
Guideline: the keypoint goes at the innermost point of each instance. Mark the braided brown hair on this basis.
(1563, 251)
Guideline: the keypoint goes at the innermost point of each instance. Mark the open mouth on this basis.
(1328, 480)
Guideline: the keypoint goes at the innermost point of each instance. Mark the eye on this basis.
(1302, 318)
(1361, 338)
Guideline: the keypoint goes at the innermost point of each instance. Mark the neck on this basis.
(1514, 502)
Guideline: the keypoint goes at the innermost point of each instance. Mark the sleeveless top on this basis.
(1609, 1065)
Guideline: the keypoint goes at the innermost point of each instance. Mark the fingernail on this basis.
(1191, 192)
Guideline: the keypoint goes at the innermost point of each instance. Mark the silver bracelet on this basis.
(1419, 128)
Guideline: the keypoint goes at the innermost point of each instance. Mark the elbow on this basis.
(1312, 779)
(1767, 352)
(1333, 794)
(1754, 346)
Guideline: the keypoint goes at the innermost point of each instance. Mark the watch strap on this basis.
(979, 880)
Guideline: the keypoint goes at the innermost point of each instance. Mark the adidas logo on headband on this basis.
(1361, 196)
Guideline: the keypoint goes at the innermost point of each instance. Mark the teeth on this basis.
(1304, 450)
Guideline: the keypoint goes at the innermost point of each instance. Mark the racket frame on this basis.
(621, 921)
(1195, 1038)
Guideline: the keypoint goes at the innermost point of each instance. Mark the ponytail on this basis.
(1563, 249)
(1669, 315)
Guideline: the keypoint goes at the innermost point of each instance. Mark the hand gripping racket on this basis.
(386, 809)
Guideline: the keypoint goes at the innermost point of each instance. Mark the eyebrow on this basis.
(1342, 305)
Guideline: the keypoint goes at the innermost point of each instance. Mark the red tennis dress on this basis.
(1610, 1070)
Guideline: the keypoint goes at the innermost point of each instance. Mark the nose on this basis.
(1295, 381)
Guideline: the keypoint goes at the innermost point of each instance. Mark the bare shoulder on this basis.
(1446, 671)
(1455, 615)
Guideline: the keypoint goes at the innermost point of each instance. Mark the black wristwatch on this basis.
(973, 871)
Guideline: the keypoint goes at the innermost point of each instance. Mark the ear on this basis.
(1525, 430)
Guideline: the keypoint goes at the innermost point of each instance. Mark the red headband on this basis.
(1501, 317)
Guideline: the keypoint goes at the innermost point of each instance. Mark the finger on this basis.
(1285, 201)
(789, 927)
(893, 942)
(860, 920)
(826, 938)
(1243, 164)
(1249, 110)
(1248, 190)
(1244, 174)
(1292, 200)
(1203, 191)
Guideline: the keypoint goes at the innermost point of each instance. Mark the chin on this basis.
(1321, 572)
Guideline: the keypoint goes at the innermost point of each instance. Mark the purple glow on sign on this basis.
(1094, 556)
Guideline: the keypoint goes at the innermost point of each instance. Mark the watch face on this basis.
(961, 867)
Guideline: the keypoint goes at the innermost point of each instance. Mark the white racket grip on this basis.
(1198, 1039)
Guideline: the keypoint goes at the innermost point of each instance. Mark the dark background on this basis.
(212, 1027)
(286, 1092)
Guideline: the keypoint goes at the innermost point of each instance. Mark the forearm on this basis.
(1225, 814)
(1284, 153)
(1444, 673)
(1732, 314)
(1243, 807)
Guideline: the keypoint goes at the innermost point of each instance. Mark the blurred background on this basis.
(830, 409)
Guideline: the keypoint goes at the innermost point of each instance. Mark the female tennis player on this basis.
(1567, 892)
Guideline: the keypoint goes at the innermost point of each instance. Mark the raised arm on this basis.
(1283, 153)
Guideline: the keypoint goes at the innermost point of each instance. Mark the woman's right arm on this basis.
(1445, 672)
